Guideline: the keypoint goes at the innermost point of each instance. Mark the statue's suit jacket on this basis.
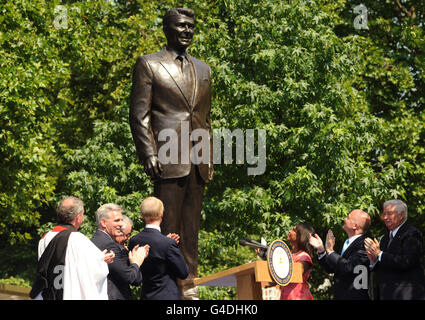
(159, 101)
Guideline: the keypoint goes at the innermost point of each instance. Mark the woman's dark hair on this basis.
(303, 234)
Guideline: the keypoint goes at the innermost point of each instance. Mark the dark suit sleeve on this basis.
(410, 249)
(344, 266)
(140, 110)
(122, 270)
(323, 262)
(176, 263)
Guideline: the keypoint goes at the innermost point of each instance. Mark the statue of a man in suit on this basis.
(172, 92)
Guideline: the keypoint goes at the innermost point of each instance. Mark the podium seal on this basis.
(279, 261)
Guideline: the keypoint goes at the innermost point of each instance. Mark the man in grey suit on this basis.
(169, 111)
(125, 270)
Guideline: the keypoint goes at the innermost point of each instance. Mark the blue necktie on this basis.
(344, 247)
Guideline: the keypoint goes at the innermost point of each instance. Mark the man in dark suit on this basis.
(126, 229)
(398, 259)
(165, 264)
(347, 267)
(170, 110)
(125, 270)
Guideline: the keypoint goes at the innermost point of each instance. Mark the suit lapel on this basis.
(398, 234)
(353, 245)
(174, 72)
(383, 244)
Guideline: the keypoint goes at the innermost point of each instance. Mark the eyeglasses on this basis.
(388, 213)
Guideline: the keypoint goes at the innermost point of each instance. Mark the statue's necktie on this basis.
(187, 76)
(181, 59)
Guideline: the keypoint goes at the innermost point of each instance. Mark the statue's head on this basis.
(179, 26)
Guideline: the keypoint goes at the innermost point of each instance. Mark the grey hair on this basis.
(104, 211)
(399, 206)
(68, 209)
(126, 221)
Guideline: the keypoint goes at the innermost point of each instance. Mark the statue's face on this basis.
(179, 32)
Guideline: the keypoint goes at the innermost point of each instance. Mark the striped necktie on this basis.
(391, 239)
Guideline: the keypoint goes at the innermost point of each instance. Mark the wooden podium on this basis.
(247, 278)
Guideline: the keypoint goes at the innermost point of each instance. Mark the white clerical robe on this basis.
(85, 271)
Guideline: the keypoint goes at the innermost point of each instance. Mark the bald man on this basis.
(351, 266)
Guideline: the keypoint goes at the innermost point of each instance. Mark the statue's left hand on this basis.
(210, 172)
(153, 167)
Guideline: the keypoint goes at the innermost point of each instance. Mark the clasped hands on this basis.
(138, 254)
(317, 243)
(109, 256)
(372, 249)
(371, 246)
(174, 236)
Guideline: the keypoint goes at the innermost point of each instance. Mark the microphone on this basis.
(254, 244)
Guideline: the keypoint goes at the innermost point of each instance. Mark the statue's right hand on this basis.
(153, 167)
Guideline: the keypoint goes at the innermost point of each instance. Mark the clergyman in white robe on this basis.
(84, 276)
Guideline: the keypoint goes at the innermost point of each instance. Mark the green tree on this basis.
(30, 72)
(392, 80)
(278, 67)
(342, 108)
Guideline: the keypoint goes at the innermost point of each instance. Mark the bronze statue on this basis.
(171, 92)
